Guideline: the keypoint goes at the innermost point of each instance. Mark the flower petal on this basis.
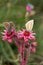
(10, 40)
(4, 38)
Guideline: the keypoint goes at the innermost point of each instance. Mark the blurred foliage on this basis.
(14, 10)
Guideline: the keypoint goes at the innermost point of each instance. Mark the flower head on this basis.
(29, 7)
(26, 35)
(8, 35)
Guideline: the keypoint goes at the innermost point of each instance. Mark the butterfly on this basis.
(29, 25)
(8, 25)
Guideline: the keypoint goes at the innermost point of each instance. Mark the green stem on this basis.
(10, 50)
(6, 55)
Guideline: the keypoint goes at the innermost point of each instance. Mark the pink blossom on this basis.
(26, 35)
(28, 8)
(8, 35)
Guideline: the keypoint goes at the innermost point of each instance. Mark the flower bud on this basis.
(34, 44)
(33, 50)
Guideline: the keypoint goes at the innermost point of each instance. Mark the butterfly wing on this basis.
(29, 25)
(6, 25)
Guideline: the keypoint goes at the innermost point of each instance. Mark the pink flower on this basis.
(26, 35)
(33, 47)
(28, 8)
(8, 35)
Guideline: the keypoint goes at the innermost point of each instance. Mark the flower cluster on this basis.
(8, 35)
(24, 40)
(26, 35)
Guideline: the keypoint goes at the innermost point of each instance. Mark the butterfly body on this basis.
(8, 25)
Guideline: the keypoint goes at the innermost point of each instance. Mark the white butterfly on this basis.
(29, 25)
